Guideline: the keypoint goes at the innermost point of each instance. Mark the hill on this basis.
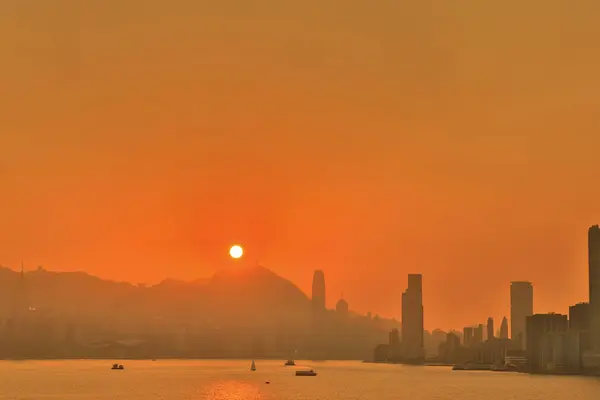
(249, 298)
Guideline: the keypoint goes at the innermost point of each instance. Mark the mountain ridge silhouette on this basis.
(250, 297)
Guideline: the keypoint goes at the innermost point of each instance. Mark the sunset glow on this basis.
(367, 139)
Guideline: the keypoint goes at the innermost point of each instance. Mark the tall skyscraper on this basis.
(478, 334)
(319, 345)
(318, 291)
(594, 282)
(468, 336)
(412, 318)
(521, 307)
(490, 328)
(504, 329)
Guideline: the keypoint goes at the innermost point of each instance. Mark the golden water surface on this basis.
(233, 380)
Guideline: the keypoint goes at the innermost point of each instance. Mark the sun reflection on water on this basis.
(232, 390)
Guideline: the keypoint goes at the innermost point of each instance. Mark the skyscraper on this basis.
(318, 291)
(468, 336)
(540, 349)
(594, 282)
(490, 328)
(521, 307)
(478, 334)
(504, 329)
(412, 318)
(579, 317)
(319, 345)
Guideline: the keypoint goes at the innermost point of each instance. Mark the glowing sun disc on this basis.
(236, 251)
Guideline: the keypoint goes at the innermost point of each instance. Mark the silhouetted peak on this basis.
(251, 272)
(170, 282)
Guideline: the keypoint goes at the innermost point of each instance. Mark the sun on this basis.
(236, 251)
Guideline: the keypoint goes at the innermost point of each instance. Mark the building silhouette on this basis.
(341, 307)
(546, 348)
(504, 329)
(467, 336)
(579, 325)
(579, 317)
(521, 307)
(394, 337)
(594, 284)
(478, 334)
(412, 318)
(318, 291)
(490, 328)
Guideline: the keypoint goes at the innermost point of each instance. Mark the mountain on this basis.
(248, 298)
(255, 297)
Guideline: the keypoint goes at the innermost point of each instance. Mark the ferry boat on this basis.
(306, 373)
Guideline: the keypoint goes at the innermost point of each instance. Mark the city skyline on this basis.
(402, 137)
(551, 341)
(319, 298)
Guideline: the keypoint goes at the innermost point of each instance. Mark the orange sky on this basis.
(368, 139)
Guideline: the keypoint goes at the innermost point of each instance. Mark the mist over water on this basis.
(233, 380)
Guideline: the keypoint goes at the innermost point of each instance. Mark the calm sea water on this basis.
(233, 380)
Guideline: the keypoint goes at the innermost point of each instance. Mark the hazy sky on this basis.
(370, 139)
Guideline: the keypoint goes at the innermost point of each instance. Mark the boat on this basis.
(118, 366)
(253, 366)
(306, 373)
(505, 368)
(471, 367)
(290, 363)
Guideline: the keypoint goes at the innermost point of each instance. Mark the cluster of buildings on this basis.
(339, 333)
(539, 343)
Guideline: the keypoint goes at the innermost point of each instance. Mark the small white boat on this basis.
(118, 366)
(253, 366)
(290, 363)
(306, 373)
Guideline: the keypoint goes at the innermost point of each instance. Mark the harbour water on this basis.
(233, 380)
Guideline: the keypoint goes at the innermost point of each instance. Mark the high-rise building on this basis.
(318, 291)
(394, 337)
(521, 307)
(478, 334)
(490, 328)
(504, 329)
(579, 317)
(467, 336)
(545, 337)
(594, 283)
(412, 318)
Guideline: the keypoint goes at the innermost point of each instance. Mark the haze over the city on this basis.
(140, 139)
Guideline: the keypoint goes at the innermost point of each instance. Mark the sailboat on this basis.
(253, 366)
